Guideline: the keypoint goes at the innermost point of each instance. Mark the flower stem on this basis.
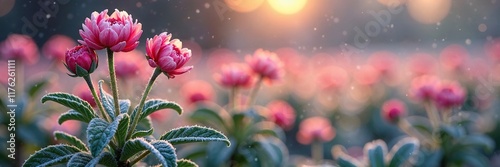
(446, 114)
(253, 94)
(317, 151)
(112, 74)
(233, 99)
(135, 120)
(96, 99)
(432, 114)
(140, 157)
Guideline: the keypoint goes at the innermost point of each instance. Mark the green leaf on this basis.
(186, 163)
(107, 101)
(51, 155)
(274, 150)
(343, 159)
(189, 134)
(479, 141)
(208, 117)
(122, 130)
(160, 149)
(153, 105)
(100, 133)
(36, 87)
(73, 102)
(124, 105)
(402, 151)
(218, 153)
(84, 159)
(72, 115)
(375, 152)
(70, 139)
(268, 128)
(142, 133)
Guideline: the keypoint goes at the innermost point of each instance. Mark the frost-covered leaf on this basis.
(73, 115)
(376, 151)
(154, 105)
(186, 163)
(343, 159)
(208, 117)
(100, 133)
(122, 130)
(194, 134)
(70, 139)
(84, 159)
(51, 155)
(124, 105)
(142, 133)
(107, 101)
(479, 141)
(71, 101)
(402, 151)
(160, 149)
(274, 150)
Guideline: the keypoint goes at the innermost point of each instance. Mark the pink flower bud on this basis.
(56, 47)
(281, 113)
(393, 110)
(168, 55)
(81, 61)
(265, 64)
(117, 32)
(19, 47)
(315, 129)
(197, 91)
(448, 95)
(424, 88)
(234, 75)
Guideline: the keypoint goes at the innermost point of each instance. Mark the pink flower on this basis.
(384, 62)
(393, 110)
(19, 47)
(234, 75)
(127, 64)
(332, 78)
(57, 46)
(81, 56)
(448, 95)
(83, 91)
(197, 91)
(168, 55)
(424, 88)
(315, 129)
(117, 32)
(453, 57)
(266, 64)
(281, 113)
(492, 48)
(422, 64)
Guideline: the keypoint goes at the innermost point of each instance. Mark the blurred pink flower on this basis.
(449, 94)
(196, 91)
(492, 49)
(19, 47)
(82, 90)
(422, 64)
(127, 65)
(265, 64)
(234, 75)
(50, 124)
(168, 55)
(315, 129)
(81, 56)
(393, 110)
(56, 47)
(385, 62)
(424, 88)
(366, 75)
(332, 78)
(117, 31)
(453, 57)
(281, 113)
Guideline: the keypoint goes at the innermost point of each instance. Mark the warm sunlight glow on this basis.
(287, 6)
(428, 11)
(244, 5)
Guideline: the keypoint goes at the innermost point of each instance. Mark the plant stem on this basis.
(96, 99)
(432, 114)
(317, 151)
(135, 120)
(139, 158)
(253, 94)
(233, 99)
(112, 75)
(446, 114)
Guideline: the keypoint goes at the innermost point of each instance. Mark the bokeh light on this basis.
(287, 6)
(428, 11)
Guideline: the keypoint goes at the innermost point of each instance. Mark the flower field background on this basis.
(399, 97)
